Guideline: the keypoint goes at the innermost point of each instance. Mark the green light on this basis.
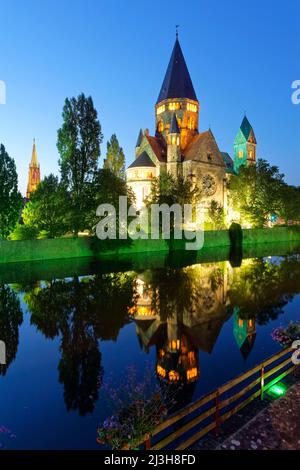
(277, 390)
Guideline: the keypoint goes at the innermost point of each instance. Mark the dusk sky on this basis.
(241, 56)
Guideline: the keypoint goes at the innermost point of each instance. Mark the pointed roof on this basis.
(246, 128)
(34, 161)
(177, 82)
(140, 138)
(142, 160)
(204, 148)
(174, 128)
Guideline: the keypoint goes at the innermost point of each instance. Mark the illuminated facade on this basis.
(178, 146)
(34, 174)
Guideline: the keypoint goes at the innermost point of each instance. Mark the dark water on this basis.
(194, 323)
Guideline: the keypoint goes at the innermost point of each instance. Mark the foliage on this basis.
(106, 188)
(23, 232)
(78, 143)
(47, 208)
(11, 318)
(115, 158)
(261, 288)
(139, 408)
(10, 198)
(169, 190)
(216, 215)
(80, 312)
(256, 193)
(286, 336)
(166, 189)
(290, 203)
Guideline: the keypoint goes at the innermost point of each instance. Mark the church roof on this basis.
(174, 129)
(142, 160)
(177, 82)
(204, 148)
(228, 162)
(139, 139)
(158, 146)
(247, 129)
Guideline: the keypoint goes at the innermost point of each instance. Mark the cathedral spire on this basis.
(34, 174)
(177, 82)
(34, 156)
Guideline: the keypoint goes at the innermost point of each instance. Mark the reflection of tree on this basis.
(182, 289)
(81, 311)
(262, 288)
(11, 318)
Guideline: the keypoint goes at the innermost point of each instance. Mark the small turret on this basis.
(138, 142)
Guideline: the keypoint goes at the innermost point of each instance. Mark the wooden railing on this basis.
(209, 412)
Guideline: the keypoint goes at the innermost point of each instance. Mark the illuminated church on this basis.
(180, 148)
(34, 173)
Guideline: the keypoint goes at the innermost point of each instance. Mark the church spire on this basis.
(177, 82)
(34, 174)
(34, 156)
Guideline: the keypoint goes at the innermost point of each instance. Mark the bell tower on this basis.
(34, 174)
(177, 96)
(244, 146)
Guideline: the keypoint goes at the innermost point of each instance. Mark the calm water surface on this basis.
(68, 330)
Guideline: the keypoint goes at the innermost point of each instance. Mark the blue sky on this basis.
(241, 56)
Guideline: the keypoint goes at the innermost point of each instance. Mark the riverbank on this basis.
(91, 247)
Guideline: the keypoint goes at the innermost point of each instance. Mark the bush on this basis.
(24, 232)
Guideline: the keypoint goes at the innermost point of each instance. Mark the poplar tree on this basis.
(10, 197)
(115, 158)
(78, 144)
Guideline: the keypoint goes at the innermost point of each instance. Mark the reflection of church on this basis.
(180, 148)
(244, 330)
(179, 335)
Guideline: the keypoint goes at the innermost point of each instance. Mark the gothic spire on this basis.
(177, 82)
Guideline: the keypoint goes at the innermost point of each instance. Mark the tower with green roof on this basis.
(244, 146)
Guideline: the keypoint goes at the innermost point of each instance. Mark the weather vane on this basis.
(177, 26)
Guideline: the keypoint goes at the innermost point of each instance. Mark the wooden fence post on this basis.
(148, 442)
(217, 413)
(262, 382)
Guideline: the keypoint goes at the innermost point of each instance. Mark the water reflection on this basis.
(11, 318)
(177, 311)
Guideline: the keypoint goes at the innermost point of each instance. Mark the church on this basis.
(180, 147)
(34, 173)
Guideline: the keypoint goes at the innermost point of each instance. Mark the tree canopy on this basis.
(10, 197)
(115, 158)
(78, 144)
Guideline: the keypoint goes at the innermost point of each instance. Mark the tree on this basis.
(169, 190)
(106, 188)
(256, 192)
(78, 143)
(10, 198)
(290, 203)
(11, 318)
(115, 158)
(47, 208)
(216, 215)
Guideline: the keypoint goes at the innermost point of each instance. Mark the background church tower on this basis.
(34, 174)
(244, 146)
(177, 95)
